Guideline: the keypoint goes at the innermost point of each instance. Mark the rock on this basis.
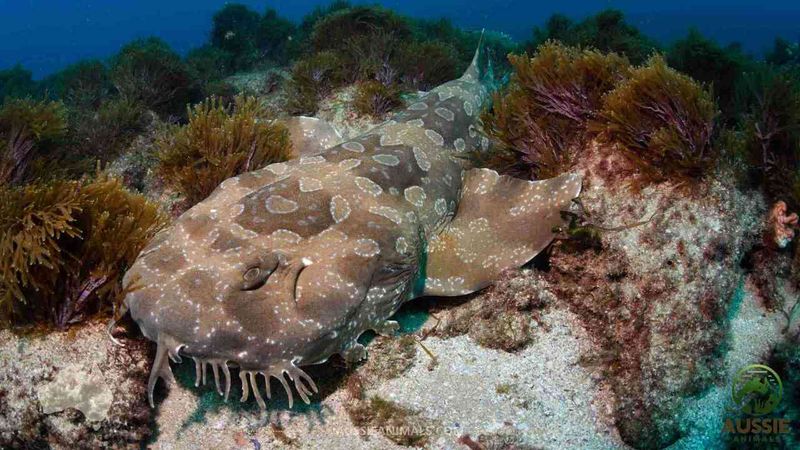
(658, 299)
(73, 389)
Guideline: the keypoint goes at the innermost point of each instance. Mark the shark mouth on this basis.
(169, 348)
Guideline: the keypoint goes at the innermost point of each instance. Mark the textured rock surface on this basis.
(74, 387)
(72, 390)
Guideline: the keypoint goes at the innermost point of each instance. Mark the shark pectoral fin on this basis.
(501, 223)
(310, 136)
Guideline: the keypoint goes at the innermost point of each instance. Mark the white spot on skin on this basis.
(435, 137)
(386, 160)
(353, 147)
(367, 248)
(237, 209)
(390, 139)
(309, 184)
(468, 107)
(418, 106)
(387, 212)
(459, 144)
(440, 206)
(286, 236)
(312, 160)
(401, 245)
(280, 205)
(416, 123)
(445, 114)
(278, 168)
(348, 164)
(368, 186)
(444, 95)
(415, 195)
(422, 159)
(340, 208)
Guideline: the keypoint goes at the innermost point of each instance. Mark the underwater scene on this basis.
(449, 224)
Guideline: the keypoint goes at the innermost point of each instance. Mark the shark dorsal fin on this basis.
(474, 71)
(501, 223)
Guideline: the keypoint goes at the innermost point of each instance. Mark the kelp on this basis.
(65, 245)
(220, 142)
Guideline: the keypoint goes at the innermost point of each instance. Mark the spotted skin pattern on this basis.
(284, 266)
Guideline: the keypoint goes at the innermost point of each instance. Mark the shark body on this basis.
(285, 266)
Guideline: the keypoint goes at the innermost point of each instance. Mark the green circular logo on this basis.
(756, 390)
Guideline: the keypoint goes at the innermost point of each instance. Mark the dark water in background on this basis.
(46, 35)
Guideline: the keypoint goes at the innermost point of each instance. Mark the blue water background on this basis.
(46, 35)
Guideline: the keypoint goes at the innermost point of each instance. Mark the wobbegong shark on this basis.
(285, 266)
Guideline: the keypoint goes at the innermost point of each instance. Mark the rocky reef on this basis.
(677, 266)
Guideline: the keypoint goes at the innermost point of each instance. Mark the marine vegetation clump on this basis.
(770, 100)
(17, 82)
(361, 44)
(784, 53)
(398, 424)
(83, 85)
(250, 39)
(275, 37)
(311, 80)
(464, 42)
(569, 82)
(663, 121)
(208, 65)
(220, 142)
(149, 72)
(338, 28)
(607, 31)
(366, 39)
(105, 133)
(708, 62)
(376, 99)
(427, 64)
(234, 30)
(65, 245)
(540, 119)
(28, 128)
